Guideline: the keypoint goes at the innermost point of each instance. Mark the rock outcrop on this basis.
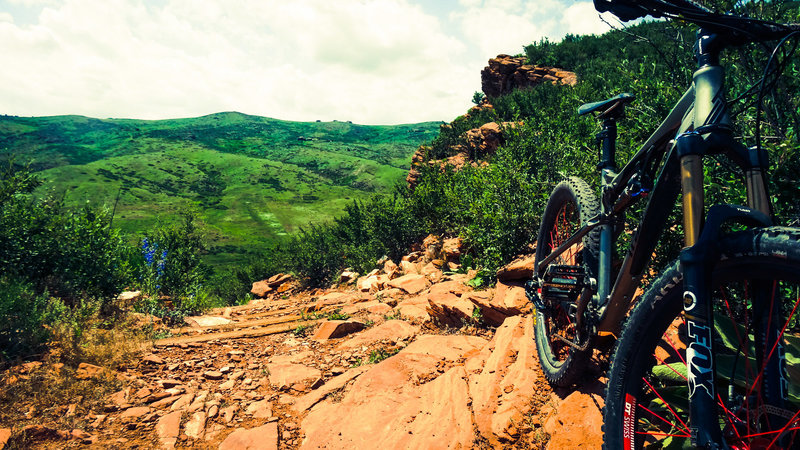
(506, 73)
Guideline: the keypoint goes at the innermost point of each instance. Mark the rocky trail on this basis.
(409, 356)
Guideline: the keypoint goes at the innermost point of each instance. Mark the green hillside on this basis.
(252, 178)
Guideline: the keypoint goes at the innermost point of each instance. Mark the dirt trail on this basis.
(414, 366)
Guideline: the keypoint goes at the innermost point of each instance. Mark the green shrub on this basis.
(70, 254)
(25, 314)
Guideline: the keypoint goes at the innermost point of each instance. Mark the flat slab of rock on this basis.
(284, 376)
(264, 437)
(411, 283)
(332, 329)
(334, 384)
(206, 321)
(167, 429)
(334, 298)
(391, 330)
(389, 407)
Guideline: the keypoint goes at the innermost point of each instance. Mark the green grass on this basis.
(253, 179)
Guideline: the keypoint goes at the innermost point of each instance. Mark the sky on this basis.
(368, 61)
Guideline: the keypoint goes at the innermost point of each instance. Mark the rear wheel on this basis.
(562, 337)
(756, 346)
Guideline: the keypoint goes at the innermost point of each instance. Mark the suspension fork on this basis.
(711, 135)
(698, 255)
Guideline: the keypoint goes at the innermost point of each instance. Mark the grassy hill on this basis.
(252, 178)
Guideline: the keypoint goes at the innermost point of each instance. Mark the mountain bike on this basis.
(709, 356)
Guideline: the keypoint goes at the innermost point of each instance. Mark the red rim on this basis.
(658, 415)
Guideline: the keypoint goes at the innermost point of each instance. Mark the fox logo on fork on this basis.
(698, 358)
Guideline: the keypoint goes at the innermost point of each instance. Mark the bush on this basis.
(70, 254)
(25, 314)
(170, 265)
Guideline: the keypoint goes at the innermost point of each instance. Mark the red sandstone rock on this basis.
(86, 370)
(152, 359)
(448, 309)
(283, 376)
(578, 422)
(387, 407)
(260, 410)
(452, 248)
(411, 283)
(261, 288)
(391, 330)
(521, 268)
(206, 321)
(196, 427)
(212, 375)
(5, 435)
(264, 437)
(307, 401)
(167, 428)
(502, 389)
(332, 329)
(135, 412)
(505, 73)
(511, 296)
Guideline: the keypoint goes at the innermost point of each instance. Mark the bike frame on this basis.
(698, 125)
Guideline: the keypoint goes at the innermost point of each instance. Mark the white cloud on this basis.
(506, 26)
(370, 61)
(582, 18)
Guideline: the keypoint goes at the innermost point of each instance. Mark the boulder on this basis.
(261, 288)
(451, 249)
(391, 269)
(408, 267)
(332, 329)
(410, 283)
(521, 268)
(511, 296)
(430, 271)
(578, 422)
(448, 309)
(492, 315)
(368, 284)
(348, 276)
(432, 246)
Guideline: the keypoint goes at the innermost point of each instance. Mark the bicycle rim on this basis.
(750, 415)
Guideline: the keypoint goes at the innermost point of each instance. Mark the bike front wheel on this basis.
(756, 346)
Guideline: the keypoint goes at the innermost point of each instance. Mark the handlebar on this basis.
(737, 29)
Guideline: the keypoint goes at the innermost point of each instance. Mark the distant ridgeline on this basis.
(253, 178)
